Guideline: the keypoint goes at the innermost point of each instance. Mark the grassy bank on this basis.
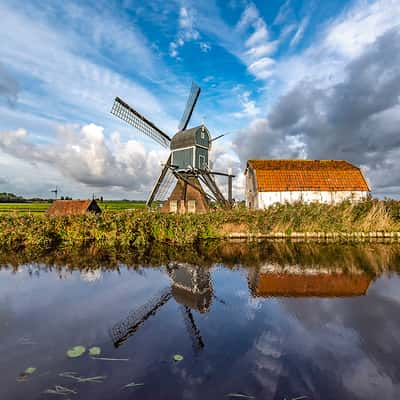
(41, 207)
(139, 229)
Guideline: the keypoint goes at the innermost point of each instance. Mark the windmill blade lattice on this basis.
(121, 331)
(123, 111)
(191, 102)
(166, 187)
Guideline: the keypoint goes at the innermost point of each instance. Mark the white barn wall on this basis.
(265, 199)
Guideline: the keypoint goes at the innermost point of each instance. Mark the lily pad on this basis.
(95, 351)
(76, 351)
(30, 370)
(178, 357)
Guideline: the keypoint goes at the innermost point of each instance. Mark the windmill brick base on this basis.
(186, 199)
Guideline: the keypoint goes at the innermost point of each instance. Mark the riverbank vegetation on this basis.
(37, 207)
(137, 229)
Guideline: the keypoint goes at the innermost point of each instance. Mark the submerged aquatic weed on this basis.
(80, 379)
(60, 390)
(95, 351)
(109, 359)
(133, 384)
(76, 351)
(240, 395)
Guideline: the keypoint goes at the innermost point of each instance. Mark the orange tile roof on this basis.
(296, 175)
(320, 285)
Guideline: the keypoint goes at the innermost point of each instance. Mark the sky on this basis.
(282, 79)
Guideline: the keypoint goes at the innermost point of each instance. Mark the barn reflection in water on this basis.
(272, 281)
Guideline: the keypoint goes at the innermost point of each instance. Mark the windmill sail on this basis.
(193, 330)
(127, 327)
(123, 111)
(161, 180)
(191, 102)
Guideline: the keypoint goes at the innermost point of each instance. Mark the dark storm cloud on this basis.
(357, 119)
(8, 86)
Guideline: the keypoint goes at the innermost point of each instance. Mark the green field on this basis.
(41, 207)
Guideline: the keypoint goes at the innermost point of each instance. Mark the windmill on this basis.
(55, 191)
(188, 163)
(191, 288)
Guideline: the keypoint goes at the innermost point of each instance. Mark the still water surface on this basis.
(273, 321)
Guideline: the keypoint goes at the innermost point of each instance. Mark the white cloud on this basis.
(66, 85)
(257, 45)
(262, 68)
(208, 78)
(205, 47)
(186, 33)
(85, 156)
(186, 23)
(300, 32)
(260, 34)
(250, 108)
(8, 86)
(340, 41)
(249, 40)
(361, 25)
(284, 13)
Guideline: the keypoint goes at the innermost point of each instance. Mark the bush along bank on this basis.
(138, 229)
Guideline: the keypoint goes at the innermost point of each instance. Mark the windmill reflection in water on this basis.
(191, 288)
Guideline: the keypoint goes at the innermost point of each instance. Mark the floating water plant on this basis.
(178, 358)
(76, 351)
(95, 351)
(23, 376)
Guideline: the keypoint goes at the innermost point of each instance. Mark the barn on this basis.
(326, 181)
(73, 207)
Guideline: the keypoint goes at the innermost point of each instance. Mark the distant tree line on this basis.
(13, 198)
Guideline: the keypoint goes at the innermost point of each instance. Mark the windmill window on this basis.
(192, 206)
(202, 161)
(202, 134)
(173, 206)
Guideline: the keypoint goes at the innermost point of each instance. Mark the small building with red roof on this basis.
(280, 181)
(73, 207)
